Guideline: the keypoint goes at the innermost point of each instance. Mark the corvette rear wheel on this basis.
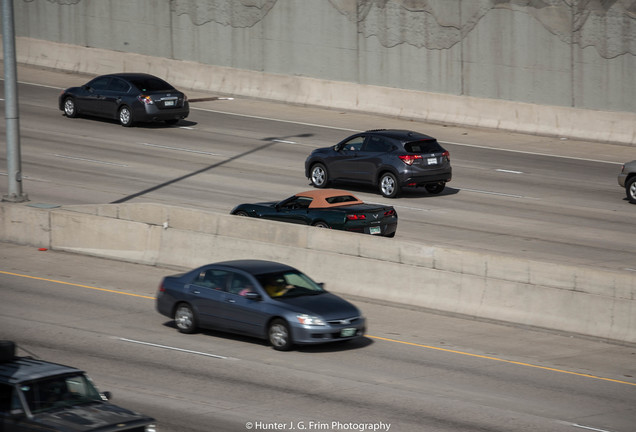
(321, 224)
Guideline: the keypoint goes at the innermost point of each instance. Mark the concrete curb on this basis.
(601, 126)
(587, 301)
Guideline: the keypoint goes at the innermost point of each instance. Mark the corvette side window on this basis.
(298, 203)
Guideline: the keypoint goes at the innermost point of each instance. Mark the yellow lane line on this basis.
(77, 285)
(369, 336)
(501, 360)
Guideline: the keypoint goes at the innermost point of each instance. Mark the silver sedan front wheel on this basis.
(279, 335)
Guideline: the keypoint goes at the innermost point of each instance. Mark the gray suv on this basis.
(627, 179)
(389, 159)
(37, 395)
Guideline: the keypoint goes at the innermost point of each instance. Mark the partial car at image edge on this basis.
(38, 395)
(627, 180)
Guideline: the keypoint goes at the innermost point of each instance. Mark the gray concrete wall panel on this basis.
(577, 53)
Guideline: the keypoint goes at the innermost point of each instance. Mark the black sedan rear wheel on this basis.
(435, 188)
(125, 116)
(69, 107)
(319, 176)
(185, 319)
(279, 335)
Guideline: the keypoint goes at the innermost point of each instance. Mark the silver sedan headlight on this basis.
(310, 320)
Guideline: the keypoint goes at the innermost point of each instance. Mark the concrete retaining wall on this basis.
(587, 301)
(589, 125)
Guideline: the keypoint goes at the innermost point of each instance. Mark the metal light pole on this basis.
(11, 107)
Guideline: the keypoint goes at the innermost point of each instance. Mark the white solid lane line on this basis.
(173, 348)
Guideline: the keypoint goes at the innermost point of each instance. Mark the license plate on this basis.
(432, 161)
(374, 230)
(347, 332)
(168, 103)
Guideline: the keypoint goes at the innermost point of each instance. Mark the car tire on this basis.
(630, 190)
(125, 116)
(240, 213)
(321, 224)
(185, 319)
(279, 335)
(70, 109)
(435, 188)
(319, 176)
(388, 185)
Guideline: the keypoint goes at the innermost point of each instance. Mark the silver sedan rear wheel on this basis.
(185, 319)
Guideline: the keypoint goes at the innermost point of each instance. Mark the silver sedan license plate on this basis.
(347, 332)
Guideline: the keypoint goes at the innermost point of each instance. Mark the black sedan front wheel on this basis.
(125, 116)
(319, 177)
(185, 319)
(69, 107)
(279, 335)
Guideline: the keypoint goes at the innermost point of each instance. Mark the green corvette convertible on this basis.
(327, 208)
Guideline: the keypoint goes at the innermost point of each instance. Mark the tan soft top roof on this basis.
(319, 197)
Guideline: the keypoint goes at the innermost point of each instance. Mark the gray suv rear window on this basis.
(424, 146)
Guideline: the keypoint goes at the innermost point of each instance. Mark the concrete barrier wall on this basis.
(601, 126)
(581, 300)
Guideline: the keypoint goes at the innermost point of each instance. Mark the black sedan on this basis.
(126, 97)
(263, 299)
(328, 208)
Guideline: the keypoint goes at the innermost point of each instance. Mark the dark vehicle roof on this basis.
(401, 134)
(256, 267)
(24, 369)
(130, 75)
